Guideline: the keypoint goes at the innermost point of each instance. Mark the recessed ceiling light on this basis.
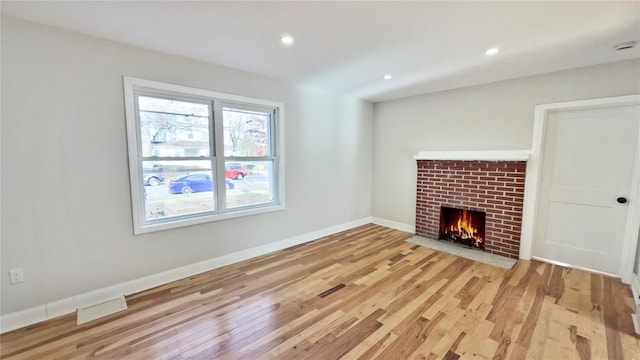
(491, 51)
(286, 40)
(387, 77)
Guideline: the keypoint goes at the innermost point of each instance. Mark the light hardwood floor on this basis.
(361, 294)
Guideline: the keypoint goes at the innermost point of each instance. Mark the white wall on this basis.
(66, 211)
(497, 116)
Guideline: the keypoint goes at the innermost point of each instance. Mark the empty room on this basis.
(320, 180)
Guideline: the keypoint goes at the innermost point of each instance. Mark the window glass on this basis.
(246, 133)
(249, 183)
(177, 188)
(171, 128)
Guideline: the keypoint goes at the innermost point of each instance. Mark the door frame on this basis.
(534, 174)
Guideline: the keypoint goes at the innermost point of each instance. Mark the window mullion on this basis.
(272, 134)
(249, 158)
(214, 155)
(169, 158)
(218, 136)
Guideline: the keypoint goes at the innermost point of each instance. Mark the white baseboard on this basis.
(22, 318)
(563, 264)
(635, 289)
(394, 224)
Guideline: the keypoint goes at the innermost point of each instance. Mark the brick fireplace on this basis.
(495, 187)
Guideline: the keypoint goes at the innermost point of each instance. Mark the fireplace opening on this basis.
(465, 227)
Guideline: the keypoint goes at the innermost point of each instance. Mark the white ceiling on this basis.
(347, 47)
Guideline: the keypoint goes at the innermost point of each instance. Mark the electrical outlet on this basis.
(16, 276)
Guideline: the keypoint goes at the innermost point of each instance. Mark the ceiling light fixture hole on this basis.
(625, 45)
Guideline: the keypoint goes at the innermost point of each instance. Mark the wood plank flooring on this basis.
(361, 294)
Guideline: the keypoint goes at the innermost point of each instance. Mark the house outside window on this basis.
(197, 156)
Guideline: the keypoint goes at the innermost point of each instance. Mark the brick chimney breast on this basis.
(495, 187)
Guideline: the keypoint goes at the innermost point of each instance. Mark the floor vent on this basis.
(100, 310)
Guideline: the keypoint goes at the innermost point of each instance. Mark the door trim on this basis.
(534, 173)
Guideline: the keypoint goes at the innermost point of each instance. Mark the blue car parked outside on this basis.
(194, 183)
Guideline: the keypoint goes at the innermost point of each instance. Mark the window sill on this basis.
(182, 222)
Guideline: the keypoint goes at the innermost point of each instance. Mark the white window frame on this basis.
(140, 224)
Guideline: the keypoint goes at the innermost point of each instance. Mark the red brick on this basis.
(516, 193)
(475, 191)
(502, 217)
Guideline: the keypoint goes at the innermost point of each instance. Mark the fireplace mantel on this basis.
(486, 155)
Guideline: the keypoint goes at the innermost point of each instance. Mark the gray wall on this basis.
(66, 207)
(497, 116)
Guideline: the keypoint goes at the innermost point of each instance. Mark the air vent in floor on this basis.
(100, 310)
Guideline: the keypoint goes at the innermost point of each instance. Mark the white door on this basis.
(587, 166)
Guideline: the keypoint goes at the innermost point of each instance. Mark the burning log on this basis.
(464, 239)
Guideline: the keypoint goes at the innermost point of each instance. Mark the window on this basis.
(197, 156)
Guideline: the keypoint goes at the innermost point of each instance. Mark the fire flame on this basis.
(465, 229)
